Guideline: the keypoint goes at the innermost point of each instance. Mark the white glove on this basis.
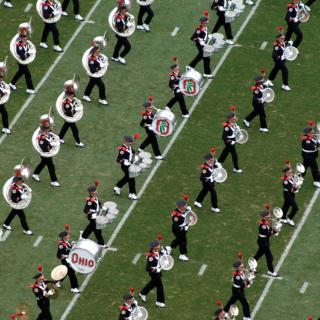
(295, 20)
(233, 143)
(188, 208)
(136, 158)
(127, 163)
(24, 196)
(178, 91)
(150, 128)
(221, 8)
(94, 216)
(158, 270)
(55, 143)
(50, 292)
(186, 228)
(202, 43)
(77, 108)
(290, 42)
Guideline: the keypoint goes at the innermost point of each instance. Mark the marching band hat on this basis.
(258, 78)
(93, 50)
(154, 244)
(207, 157)
(123, 8)
(219, 312)
(37, 276)
(307, 130)
(16, 179)
(63, 234)
(237, 264)
(285, 169)
(231, 115)
(264, 213)
(204, 19)
(128, 139)
(45, 126)
(174, 66)
(147, 104)
(92, 189)
(279, 35)
(127, 296)
(181, 203)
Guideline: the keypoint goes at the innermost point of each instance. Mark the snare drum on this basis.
(84, 256)
(143, 166)
(191, 81)
(147, 162)
(102, 221)
(164, 122)
(230, 16)
(134, 171)
(291, 53)
(145, 155)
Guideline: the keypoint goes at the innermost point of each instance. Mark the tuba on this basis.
(103, 59)
(5, 90)
(145, 3)
(242, 135)
(56, 12)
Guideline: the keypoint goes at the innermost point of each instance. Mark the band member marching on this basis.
(24, 51)
(4, 97)
(174, 86)
(229, 138)
(208, 183)
(221, 6)
(129, 304)
(146, 123)
(265, 232)
(200, 37)
(125, 158)
(145, 7)
(64, 247)
(258, 105)
(91, 209)
(293, 23)
(76, 9)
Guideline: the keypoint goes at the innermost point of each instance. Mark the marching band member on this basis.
(16, 194)
(258, 105)
(42, 293)
(239, 284)
(146, 122)
(199, 37)
(154, 269)
(265, 232)
(308, 4)
(3, 110)
(49, 11)
(68, 108)
(279, 63)
(46, 143)
(309, 151)
(7, 4)
(22, 50)
(174, 86)
(125, 159)
(289, 196)
(129, 304)
(95, 65)
(64, 247)
(76, 9)
(91, 209)
(208, 183)
(293, 23)
(221, 6)
(146, 25)
(229, 138)
(121, 25)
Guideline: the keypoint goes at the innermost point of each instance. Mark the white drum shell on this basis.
(164, 122)
(32, 51)
(78, 115)
(53, 152)
(56, 18)
(191, 81)
(229, 16)
(85, 64)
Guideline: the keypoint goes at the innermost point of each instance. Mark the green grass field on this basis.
(216, 239)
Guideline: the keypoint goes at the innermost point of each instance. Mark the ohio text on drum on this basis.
(17, 192)
(145, 8)
(91, 209)
(24, 51)
(4, 97)
(293, 22)
(126, 157)
(64, 247)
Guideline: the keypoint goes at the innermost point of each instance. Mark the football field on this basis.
(191, 288)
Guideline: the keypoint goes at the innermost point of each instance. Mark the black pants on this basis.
(151, 139)
(199, 57)
(142, 11)
(229, 149)
(155, 281)
(74, 130)
(294, 28)
(23, 70)
(127, 179)
(44, 305)
(122, 41)
(264, 249)
(180, 240)
(178, 97)
(76, 8)
(96, 82)
(279, 65)
(49, 163)
(238, 294)
(227, 26)
(91, 227)
(5, 121)
(71, 274)
(50, 27)
(310, 2)
(21, 216)
(208, 187)
(312, 163)
(258, 109)
(289, 201)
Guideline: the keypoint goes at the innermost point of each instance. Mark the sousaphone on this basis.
(56, 13)
(6, 91)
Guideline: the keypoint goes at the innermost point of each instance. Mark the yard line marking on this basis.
(202, 270)
(1, 234)
(50, 70)
(304, 287)
(136, 258)
(38, 240)
(157, 165)
(28, 7)
(286, 251)
(269, 277)
(5, 235)
(112, 249)
(90, 21)
(175, 31)
(263, 45)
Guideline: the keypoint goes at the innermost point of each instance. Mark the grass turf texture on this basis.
(216, 238)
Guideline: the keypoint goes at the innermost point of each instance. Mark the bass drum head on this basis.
(140, 313)
(221, 175)
(166, 262)
(291, 53)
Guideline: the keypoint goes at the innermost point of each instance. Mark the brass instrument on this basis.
(276, 221)
(4, 87)
(103, 59)
(56, 13)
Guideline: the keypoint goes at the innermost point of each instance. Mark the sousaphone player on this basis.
(4, 97)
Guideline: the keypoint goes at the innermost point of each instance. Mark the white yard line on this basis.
(28, 7)
(304, 287)
(5, 235)
(112, 249)
(175, 31)
(37, 242)
(286, 251)
(156, 167)
(202, 269)
(50, 70)
(263, 45)
(269, 277)
(90, 21)
(136, 258)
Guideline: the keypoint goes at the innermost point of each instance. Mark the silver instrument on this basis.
(276, 223)
(76, 105)
(250, 270)
(233, 312)
(145, 2)
(303, 15)
(291, 53)
(268, 94)
(130, 26)
(140, 313)
(213, 43)
(242, 135)
(56, 13)
(297, 176)
(219, 174)
(4, 87)
(191, 218)
(166, 262)
(103, 59)
(107, 214)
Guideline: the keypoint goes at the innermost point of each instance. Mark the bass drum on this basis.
(32, 51)
(79, 109)
(55, 149)
(131, 26)
(166, 262)
(190, 82)
(58, 10)
(220, 175)
(6, 93)
(85, 63)
(164, 122)
(291, 53)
